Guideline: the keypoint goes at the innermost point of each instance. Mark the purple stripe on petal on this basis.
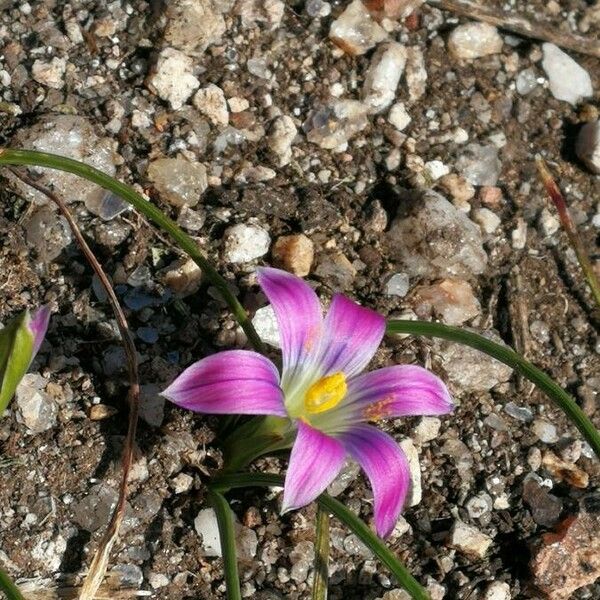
(386, 467)
(298, 313)
(398, 391)
(38, 325)
(351, 337)
(233, 382)
(315, 460)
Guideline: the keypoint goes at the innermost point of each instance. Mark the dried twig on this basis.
(521, 25)
(100, 561)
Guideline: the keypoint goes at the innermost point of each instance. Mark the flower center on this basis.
(325, 393)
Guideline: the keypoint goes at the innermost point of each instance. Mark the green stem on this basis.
(227, 537)
(321, 576)
(509, 357)
(224, 483)
(13, 157)
(9, 588)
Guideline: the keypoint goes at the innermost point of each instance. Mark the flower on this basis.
(323, 389)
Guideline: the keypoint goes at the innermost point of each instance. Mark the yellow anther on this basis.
(325, 393)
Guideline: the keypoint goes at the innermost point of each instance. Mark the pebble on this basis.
(451, 300)
(318, 8)
(479, 506)
(266, 326)
(211, 102)
(206, 525)
(437, 240)
(183, 276)
(480, 164)
(245, 242)
(354, 31)
(469, 540)
(178, 181)
(568, 81)
(193, 25)
(522, 413)
(36, 409)
(488, 220)
(269, 12)
(398, 116)
(416, 73)
(587, 146)
(51, 74)
(545, 431)
(474, 40)
(152, 404)
(545, 507)
(295, 253)
(566, 471)
(397, 285)
(460, 189)
(428, 429)
(173, 77)
(497, 590)
(48, 233)
(158, 580)
(383, 76)
(415, 493)
(348, 473)
(526, 81)
(519, 235)
(282, 133)
(336, 270)
(182, 483)
(548, 222)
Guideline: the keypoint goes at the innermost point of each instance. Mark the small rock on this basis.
(173, 77)
(545, 431)
(266, 326)
(459, 188)
(480, 164)
(563, 470)
(415, 493)
(152, 405)
(99, 412)
(183, 276)
(392, 9)
(497, 590)
(397, 285)
(487, 220)
(50, 73)
(588, 146)
(348, 473)
(545, 507)
(336, 270)
(398, 116)
(179, 181)
(211, 102)
(569, 559)
(254, 174)
(416, 73)
(436, 169)
(568, 81)
(37, 409)
(48, 233)
(245, 242)
(295, 253)
(522, 413)
(318, 8)
(474, 40)
(331, 126)
(354, 31)
(383, 76)
(280, 139)
(427, 430)
(548, 223)
(252, 12)
(469, 540)
(452, 300)
(158, 580)
(479, 506)
(182, 483)
(519, 234)
(526, 81)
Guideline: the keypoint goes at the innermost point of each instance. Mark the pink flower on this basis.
(323, 389)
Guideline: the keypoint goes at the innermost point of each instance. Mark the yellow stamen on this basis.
(325, 393)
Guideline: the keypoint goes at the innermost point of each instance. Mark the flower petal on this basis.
(386, 467)
(398, 391)
(233, 382)
(315, 460)
(352, 334)
(38, 325)
(298, 313)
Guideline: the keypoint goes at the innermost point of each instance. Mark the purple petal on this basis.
(386, 467)
(315, 460)
(352, 335)
(298, 313)
(398, 391)
(233, 382)
(38, 325)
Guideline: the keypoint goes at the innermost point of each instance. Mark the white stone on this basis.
(158, 580)
(519, 235)
(474, 40)
(207, 526)
(245, 242)
(355, 31)
(588, 146)
(469, 540)
(488, 220)
(548, 222)
(397, 285)
(427, 429)
(173, 78)
(193, 25)
(178, 181)
(416, 73)
(436, 169)
(383, 76)
(36, 408)
(568, 80)
(398, 116)
(281, 136)
(211, 102)
(545, 431)
(237, 104)
(182, 483)
(266, 326)
(497, 590)
(415, 493)
(331, 126)
(50, 73)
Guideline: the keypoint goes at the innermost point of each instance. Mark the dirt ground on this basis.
(487, 466)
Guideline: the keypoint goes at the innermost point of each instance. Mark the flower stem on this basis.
(321, 576)
(9, 156)
(509, 357)
(11, 591)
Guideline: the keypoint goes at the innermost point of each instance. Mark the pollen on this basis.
(326, 393)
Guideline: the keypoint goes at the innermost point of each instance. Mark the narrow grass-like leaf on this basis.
(227, 537)
(357, 526)
(321, 576)
(11, 591)
(9, 156)
(509, 357)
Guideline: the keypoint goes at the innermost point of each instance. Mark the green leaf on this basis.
(512, 359)
(16, 354)
(227, 537)
(319, 591)
(359, 528)
(9, 588)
